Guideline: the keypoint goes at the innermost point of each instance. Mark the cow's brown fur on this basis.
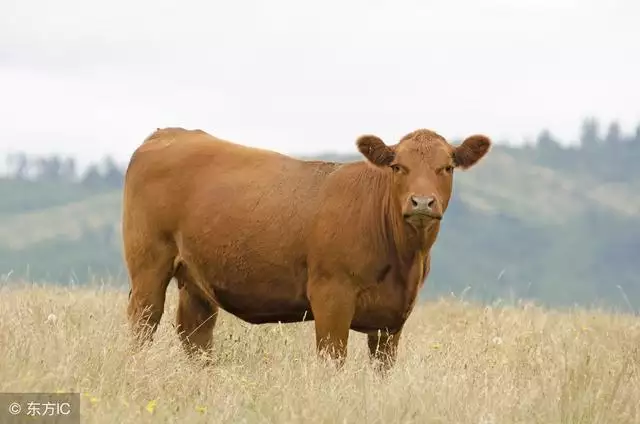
(271, 238)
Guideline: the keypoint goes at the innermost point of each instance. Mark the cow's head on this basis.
(421, 167)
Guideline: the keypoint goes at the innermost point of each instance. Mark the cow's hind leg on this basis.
(383, 349)
(150, 269)
(195, 320)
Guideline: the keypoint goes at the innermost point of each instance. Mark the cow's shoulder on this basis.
(348, 226)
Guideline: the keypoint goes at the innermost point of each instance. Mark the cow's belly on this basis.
(249, 285)
(263, 305)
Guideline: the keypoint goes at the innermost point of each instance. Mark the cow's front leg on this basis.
(333, 306)
(383, 349)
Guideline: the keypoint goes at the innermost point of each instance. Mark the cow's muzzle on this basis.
(423, 208)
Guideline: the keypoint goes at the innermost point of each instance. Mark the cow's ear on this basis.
(374, 149)
(472, 149)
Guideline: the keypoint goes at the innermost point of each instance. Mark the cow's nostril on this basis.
(414, 202)
(431, 201)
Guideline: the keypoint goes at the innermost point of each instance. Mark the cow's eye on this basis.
(445, 170)
(399, 169)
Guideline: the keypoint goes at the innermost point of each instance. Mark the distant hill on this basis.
(557, 225)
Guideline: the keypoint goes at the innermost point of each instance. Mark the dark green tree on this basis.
(614, 135)
(589, 134)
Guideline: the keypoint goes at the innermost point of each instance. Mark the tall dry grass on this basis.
(458, 363)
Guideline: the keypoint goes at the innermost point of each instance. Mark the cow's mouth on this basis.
(421, 219)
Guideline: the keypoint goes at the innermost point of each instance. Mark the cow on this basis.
(271, 238)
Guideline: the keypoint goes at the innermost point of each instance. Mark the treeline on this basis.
(55, 168)
(609, 154)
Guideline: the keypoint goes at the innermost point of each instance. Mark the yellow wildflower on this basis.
(151, 406)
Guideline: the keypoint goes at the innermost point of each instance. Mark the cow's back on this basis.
(238, 216)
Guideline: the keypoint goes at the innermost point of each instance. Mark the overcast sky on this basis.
(95, 77)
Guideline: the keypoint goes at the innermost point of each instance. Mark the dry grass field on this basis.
(458, 363)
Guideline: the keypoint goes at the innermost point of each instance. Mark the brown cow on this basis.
(270, 238)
